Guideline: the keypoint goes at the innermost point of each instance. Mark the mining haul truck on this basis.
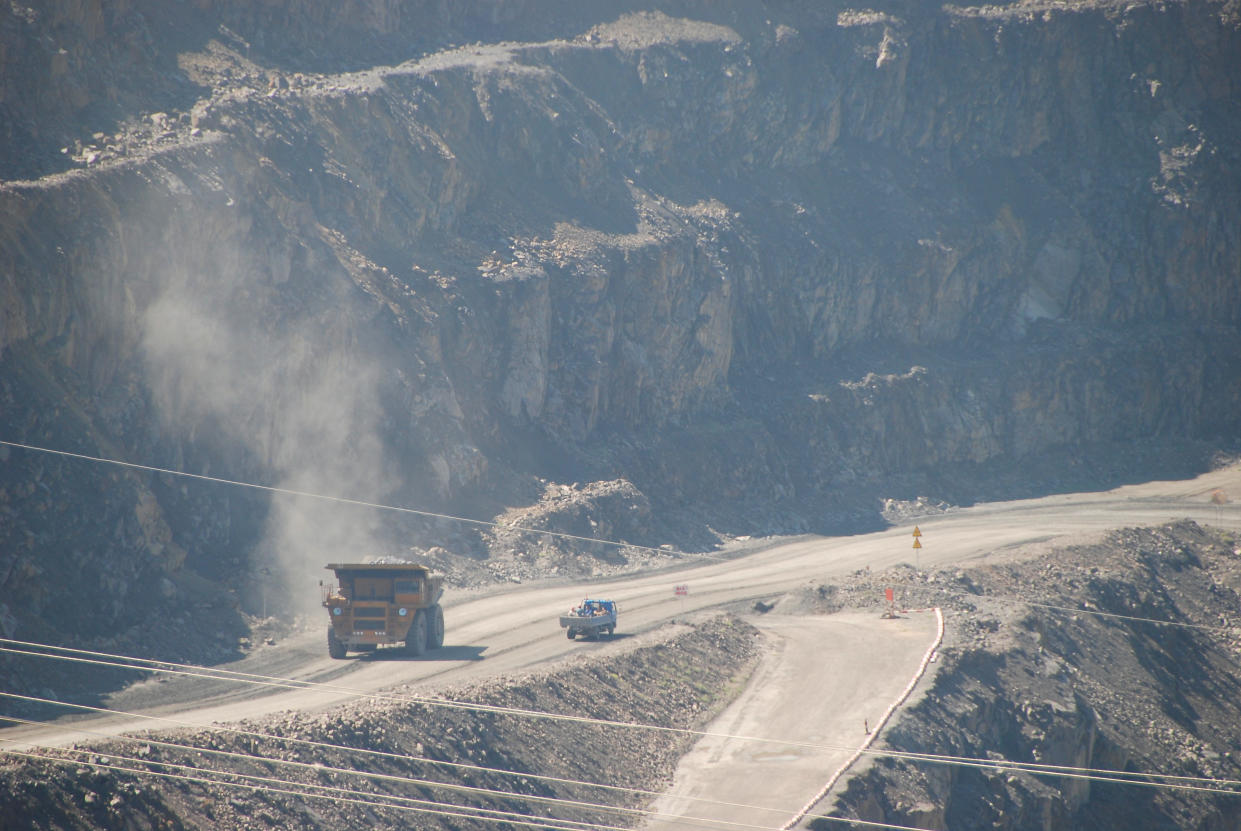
(373, 604)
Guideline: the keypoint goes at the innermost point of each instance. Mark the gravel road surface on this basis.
(508, 630)
(822, 682)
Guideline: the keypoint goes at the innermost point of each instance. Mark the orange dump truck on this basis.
(373, 604)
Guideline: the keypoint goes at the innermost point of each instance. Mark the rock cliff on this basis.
(727, 268)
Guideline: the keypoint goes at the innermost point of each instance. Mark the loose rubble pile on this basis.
(614, 511)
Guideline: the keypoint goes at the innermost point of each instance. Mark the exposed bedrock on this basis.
(762, 267)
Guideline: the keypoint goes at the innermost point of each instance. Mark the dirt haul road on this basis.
(507, 631)
(815, 699)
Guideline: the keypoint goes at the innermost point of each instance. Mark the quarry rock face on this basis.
(764, 266)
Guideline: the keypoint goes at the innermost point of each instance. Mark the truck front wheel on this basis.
(335, 646)
(416, 637)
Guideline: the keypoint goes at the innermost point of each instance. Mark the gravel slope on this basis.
(677, 677)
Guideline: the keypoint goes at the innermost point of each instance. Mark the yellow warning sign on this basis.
(917, 543)
(917, 531)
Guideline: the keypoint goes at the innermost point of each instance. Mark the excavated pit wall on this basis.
(764, 268)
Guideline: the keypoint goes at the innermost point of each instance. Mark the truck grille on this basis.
(370, 612)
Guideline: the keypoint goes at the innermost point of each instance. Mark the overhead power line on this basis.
(319, 745)
(1064, 771)
(325, 792)
(262, 784)
(1210, 785)
(319, 768)
(527, 529)
(195, 670)
(359, 503)
(114, 661)
(1098, 613)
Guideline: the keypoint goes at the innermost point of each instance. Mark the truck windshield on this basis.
(372, 588)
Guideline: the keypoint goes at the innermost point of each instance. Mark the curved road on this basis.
(515, 628)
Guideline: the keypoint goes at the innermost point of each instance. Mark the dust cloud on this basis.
(299, 397)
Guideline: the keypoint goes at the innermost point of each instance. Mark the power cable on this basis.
(502, 526)
(490, 709)
(351, 796)
(321, 769)
(525, 529)
(441, 702)
(407, 780)
(932, 758)
(1158, 622)
(251, 734)
(397, 800)
(195, 671)
(265, 680)
(1062, 771)
(360, 503)
(528, 822)
(327, 745)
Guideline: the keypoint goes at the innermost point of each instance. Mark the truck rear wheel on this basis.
(570, 634)
(435, 627)
(416, 637)
(335, 646)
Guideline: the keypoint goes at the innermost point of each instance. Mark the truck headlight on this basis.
(402, 612)
(336, 610)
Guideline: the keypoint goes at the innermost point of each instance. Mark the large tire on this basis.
(435, 627)
(335, 646)
(570, 634)
(609, 629)
(416, 637)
